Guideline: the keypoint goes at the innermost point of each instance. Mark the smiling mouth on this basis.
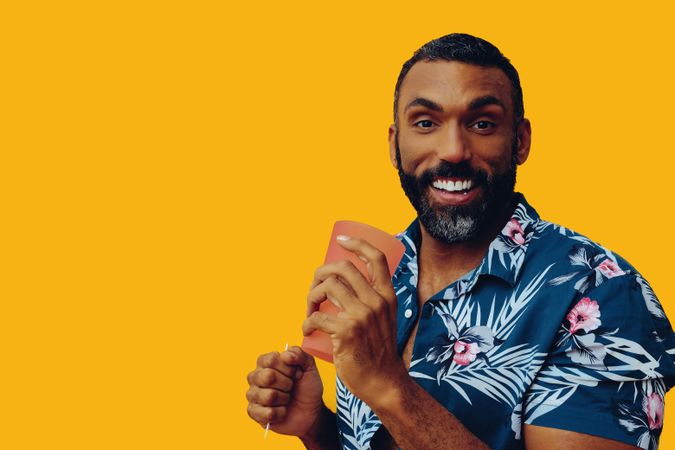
(453, 185)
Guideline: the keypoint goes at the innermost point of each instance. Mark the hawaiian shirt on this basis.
(550, 329)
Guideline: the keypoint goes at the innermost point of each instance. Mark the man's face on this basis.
(456, 147)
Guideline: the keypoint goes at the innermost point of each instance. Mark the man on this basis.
(498, 329)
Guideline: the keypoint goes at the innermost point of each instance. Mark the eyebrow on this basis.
(421, 101)
(476, 103)
(485, 101)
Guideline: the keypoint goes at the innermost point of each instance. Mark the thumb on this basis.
(303, 361)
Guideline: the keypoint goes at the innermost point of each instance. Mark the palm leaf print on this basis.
(553, 387)
(501, 372)
(360, 420)
(652, 303)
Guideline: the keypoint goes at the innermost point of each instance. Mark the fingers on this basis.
(375, 259)
(266, 414)
(337, 292)
(271, 383)
(273, 360)
(270, 378)
(296, 356)
(346, 270)
(320, 321)
(272, 373)
(377, 264)
(267, 397)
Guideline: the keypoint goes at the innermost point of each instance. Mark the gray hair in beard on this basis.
(451, 224)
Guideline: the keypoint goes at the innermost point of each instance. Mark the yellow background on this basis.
(171, 172)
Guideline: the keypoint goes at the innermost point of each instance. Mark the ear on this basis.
(524, 135)
(392, 145)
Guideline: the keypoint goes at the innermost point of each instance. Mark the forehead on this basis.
(453, 84)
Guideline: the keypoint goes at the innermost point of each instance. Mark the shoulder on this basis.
(575, 253)
(581, 266)
(589, 271)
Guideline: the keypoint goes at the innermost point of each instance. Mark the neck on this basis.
(441, 263)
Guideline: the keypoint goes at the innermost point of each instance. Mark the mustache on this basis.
(450, 170)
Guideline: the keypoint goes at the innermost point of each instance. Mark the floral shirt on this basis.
(550, 329)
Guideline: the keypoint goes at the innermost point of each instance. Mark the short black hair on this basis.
(468, 49)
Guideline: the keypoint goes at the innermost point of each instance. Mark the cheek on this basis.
(492, 154)
(499, 162)
(489, 146)
(416, 153)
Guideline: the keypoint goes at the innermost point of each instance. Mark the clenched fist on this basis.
(285, 391)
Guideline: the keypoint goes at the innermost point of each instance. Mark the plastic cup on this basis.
(319, 343)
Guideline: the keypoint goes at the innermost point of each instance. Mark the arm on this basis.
(544, 438)
(324, 434)
(405, 408)
(365, 353)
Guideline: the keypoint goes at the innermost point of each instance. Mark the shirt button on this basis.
(408, 313)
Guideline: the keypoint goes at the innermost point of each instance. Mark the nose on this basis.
(452, 146)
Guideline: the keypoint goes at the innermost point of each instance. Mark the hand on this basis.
(364, 332)
(285, 391)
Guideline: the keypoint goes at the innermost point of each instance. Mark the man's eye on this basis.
(483, 125)
(424, 124)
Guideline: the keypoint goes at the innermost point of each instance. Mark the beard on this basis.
(460, 223)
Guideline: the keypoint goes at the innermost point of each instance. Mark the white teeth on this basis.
(451, 186)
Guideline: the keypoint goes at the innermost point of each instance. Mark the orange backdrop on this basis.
(171, 172)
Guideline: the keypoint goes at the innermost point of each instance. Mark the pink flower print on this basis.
(465, 352)
(654, 410)
(610, 269)
(584, 316)
(515, 232)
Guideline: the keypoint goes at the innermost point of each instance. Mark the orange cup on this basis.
(319, 343)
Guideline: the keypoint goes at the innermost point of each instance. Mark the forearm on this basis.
(417, 421)
(324, 434)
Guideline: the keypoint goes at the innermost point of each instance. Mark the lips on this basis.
(453, 191)
(453, 184)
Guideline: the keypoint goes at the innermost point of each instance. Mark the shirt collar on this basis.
(505, 255)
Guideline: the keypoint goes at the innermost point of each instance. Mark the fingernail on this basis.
(298, 374)
(342, 237)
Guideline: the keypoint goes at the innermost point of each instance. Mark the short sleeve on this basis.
(609, 367)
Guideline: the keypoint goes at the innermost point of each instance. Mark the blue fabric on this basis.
(550, 329)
